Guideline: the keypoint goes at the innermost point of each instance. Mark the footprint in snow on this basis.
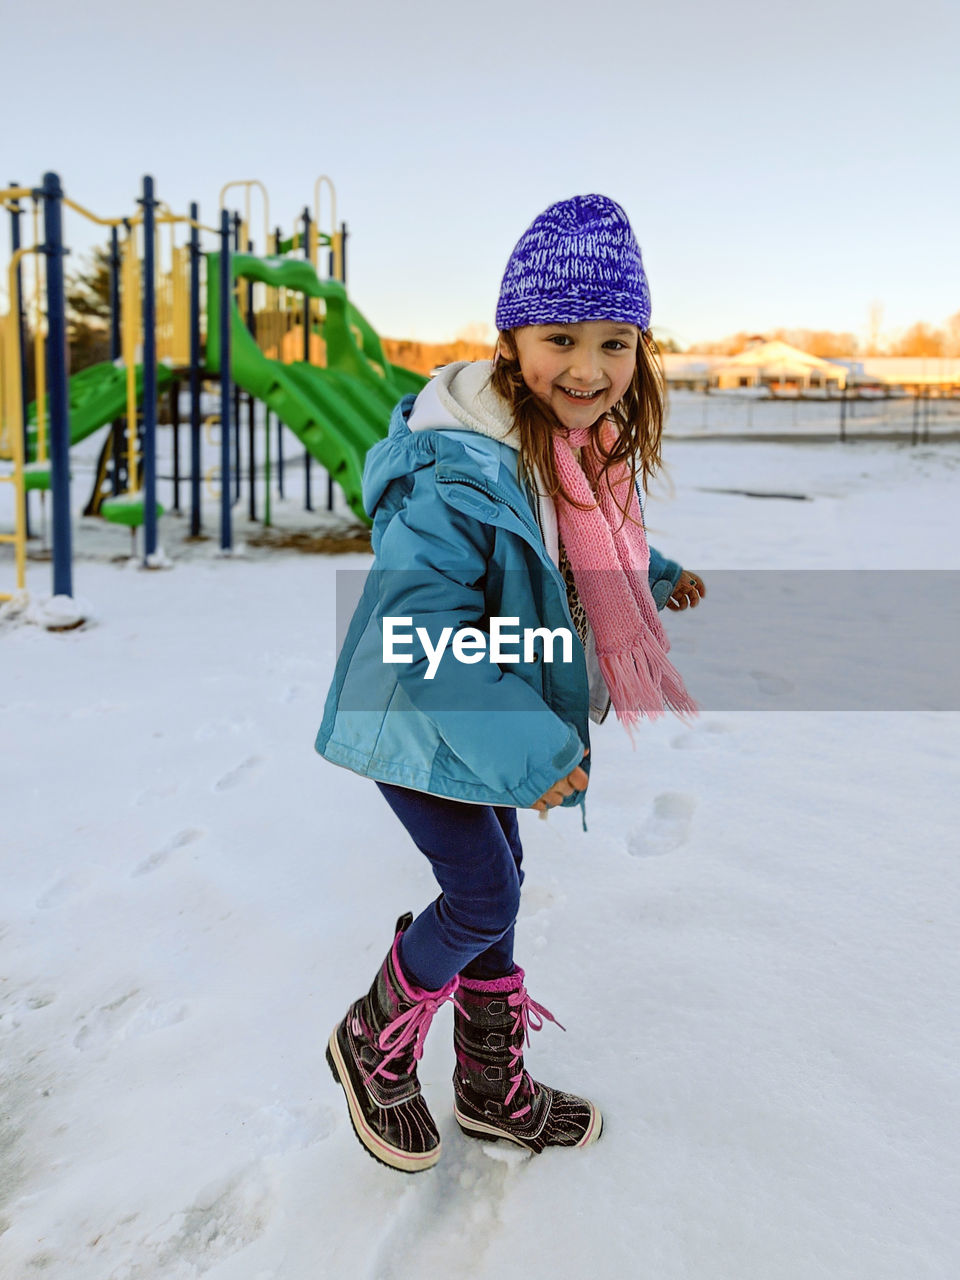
(234, 777)
(222, 727)
(666, 829)
(154, 860)
(224, 1218)
(100, 1025)
(152, 1016)
(276, 1129)
(458, 1207)
(534, 899)
(41, 1000)
(67, 887)
(701, 738)
(768, 683)
(118, 1021)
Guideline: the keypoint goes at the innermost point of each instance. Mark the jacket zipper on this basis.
(526, 521)
(460, 478)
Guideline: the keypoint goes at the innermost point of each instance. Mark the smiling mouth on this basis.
(582, 396)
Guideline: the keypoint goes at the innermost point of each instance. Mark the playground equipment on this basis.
(276, 332)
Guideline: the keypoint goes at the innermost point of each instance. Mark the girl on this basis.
(503, 492)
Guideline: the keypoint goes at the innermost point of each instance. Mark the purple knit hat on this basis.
(578, 260)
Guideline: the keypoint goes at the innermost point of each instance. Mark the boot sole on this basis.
(487, 1132)
(375, 1146)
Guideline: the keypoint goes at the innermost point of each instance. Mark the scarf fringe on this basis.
(633, 690)
(643, 683)
(671, 684)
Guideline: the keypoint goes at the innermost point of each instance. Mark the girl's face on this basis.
(580, 370)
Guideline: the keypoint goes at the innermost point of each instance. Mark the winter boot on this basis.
(494, 1096)
(373, 1054)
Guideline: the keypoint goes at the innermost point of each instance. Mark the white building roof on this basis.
(779, 357)
(678, 365)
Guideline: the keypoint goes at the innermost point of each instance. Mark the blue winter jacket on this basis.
(456, 542)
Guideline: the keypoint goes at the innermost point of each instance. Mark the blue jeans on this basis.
(475, 854)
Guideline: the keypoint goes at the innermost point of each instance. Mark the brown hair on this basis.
(639, 416)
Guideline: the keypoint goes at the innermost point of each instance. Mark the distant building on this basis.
(930, 375)
(774, 367)
(688, 372)
(779, 367)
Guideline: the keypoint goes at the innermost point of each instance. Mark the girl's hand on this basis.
(688, 591)
(575, 780)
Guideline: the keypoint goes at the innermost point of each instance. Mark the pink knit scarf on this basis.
(610, 557)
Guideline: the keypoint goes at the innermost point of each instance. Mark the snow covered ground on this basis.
(734, 413)
(753, 948)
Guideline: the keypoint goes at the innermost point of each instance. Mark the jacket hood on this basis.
(461, 396)
(459, 399)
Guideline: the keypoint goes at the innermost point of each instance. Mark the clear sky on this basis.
(782, 164)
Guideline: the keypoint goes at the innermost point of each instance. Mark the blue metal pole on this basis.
(307, 476)
(276, 249)
(237, 460)
(59, 400)
(114, 293)
(251, 406)
(175, 427)
(343, 280)
(329, 476)
(22, 328)
(226, 390)
(149, 376)
(195, 519)
(116, 427)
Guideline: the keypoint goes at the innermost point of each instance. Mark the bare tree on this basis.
(88, 311)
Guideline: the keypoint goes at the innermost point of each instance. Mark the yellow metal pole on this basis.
(333, 218)
(162, 314)
(3, 385)
(248, 183)
(13, 396)
(101, 222)
(239, 286)
(181, 307)
(212, 473)
(188, 222)
(171, 295)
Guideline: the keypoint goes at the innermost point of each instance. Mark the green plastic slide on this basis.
(98, 395)
(337, 412)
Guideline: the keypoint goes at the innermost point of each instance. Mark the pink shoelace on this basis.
(411, 1025)
(530, 1017)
